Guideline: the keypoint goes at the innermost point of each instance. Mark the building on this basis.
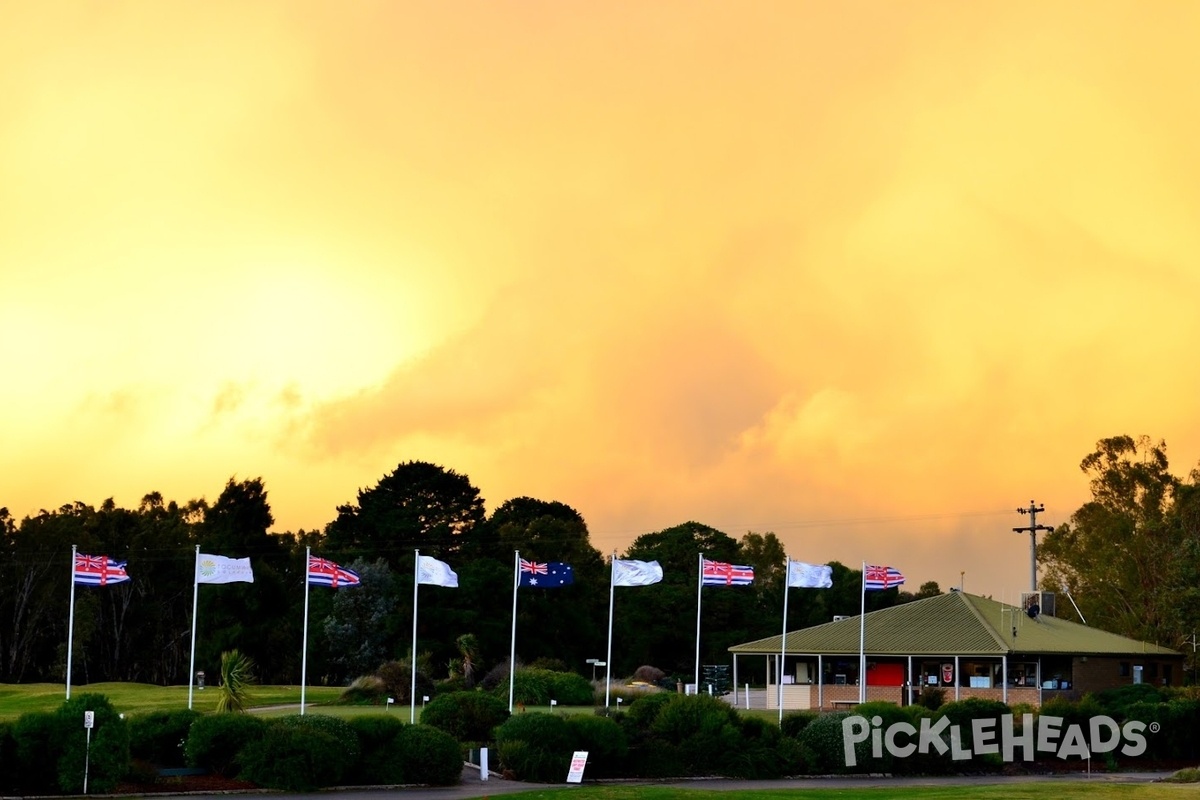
(966, 645)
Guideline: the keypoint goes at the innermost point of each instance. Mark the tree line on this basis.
(1130, 559)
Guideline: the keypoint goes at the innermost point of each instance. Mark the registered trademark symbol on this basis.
(1155, 727)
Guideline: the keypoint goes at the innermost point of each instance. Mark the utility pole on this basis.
(1032, 528)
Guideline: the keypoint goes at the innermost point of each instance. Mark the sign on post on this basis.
(578, 762)
(89, 719)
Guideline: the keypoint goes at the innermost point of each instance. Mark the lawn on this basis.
(136, 698)
(1055, 789)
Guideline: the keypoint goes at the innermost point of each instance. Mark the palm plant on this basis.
(468, 650)
(237, 675)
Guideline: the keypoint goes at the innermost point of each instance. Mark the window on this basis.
(1166, 675)
(1124, 670)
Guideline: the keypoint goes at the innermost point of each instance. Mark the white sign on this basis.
(578, 762)
(89, 719)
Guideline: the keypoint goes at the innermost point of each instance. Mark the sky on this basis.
(866, 275)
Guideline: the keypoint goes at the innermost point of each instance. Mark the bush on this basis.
(159, 736)
(648, 674)
(535, 747)
(290, 758)
(466, 716)
(645, 710)
(380, 760)
(397, 681)
(547, 663)
(1116, 702)
(107, 757)
(365, 690)
(341, 758)
(9, 768)
(823, 740)
(795, 721)
(760, 755)
(537, 687)
(35, 735)
(704, 728)
(931, 697)
(430, 756)
(214, 741)
(604, 742)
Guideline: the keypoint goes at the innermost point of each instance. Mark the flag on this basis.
(876, 578)
(809, 576)
(99, 570)
(219, 569)
(545, 575)
(437, 573)
(635, 573)
(326, 573)
(717, 573)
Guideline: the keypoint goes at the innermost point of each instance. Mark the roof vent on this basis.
(839, 617)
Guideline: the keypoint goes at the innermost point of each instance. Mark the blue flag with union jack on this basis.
(545, 574)
(99, 570)
(718, 573)
(322, 572)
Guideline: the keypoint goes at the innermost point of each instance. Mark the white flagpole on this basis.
(512, 655)
(787, 573)
(71, 622)
(412, 699)
(195, 597)
(608, 658)
(699, 583)
(862, 640)
(304, 647)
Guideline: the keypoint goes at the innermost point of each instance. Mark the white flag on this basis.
(437, 573)
(219, 569)
(636, 573)
(809, 576)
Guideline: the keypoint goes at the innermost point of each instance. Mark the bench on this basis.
(843, 703)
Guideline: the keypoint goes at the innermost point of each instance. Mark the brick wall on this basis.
(1096, 673)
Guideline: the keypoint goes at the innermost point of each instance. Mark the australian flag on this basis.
(322, 572)
(98, 570)
(546, 574)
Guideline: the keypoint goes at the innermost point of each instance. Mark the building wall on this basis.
(1097, 673)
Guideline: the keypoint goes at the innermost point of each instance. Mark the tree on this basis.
(417, 506)
(1130, 557)
(359, 629)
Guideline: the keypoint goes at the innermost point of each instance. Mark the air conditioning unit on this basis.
(839, 617)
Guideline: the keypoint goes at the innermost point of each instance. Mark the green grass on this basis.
(1057, 789)
(136, 698)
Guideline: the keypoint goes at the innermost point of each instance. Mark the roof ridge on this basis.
(987, 626)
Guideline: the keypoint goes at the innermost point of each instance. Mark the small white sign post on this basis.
(578, 762)
(89, 720)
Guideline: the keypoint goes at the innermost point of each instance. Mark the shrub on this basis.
(704, 728)
(466, 716)
(237, 676)
(214, 741)
(648, 674)
(107, 757)
(931, 697)
(397, 681)
(645, 710)
(430, 756)
(535, 747)
(537, 687)
(288, 758)
(823, 740)
(657, 758)
(795, 721)
(158, 737)
(1116, 702)
(365, 690)
(380, 760)
(548, 663)
(343, 755)
(604, 741)
(760, 755)
(36, 735)
(8, 760)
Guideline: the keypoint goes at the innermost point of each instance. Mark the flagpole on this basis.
(412, 692)
(699, 583)
(862, 640)
(195, 597)
(512, 655)
(71, 622)
(304, 647)
(608, 658)
(787, 574)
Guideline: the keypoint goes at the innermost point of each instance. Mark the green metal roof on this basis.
(956, 623)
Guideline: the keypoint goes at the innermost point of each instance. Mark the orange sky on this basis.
(869, 275)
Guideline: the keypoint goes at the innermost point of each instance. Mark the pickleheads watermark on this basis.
(992, 736)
